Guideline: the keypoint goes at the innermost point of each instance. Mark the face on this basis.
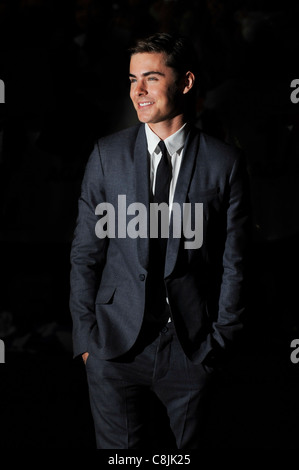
(154, 92)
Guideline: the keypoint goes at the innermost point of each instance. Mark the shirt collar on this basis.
(174, 143)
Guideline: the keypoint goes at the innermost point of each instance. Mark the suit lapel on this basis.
(180, 195)
(142, 178)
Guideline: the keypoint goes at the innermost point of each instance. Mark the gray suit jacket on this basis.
(205, 286)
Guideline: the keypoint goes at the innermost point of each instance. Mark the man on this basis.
(151, 312)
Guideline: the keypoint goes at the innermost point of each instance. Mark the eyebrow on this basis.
(151, 72)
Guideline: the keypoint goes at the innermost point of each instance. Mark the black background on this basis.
(65, 66)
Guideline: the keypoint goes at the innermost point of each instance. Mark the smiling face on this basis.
(155, 93)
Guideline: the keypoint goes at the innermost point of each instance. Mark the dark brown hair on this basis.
(178, 50)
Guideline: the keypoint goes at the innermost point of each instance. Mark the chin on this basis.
(143, 119)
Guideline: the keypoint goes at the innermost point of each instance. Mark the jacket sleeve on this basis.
(87, 254)
(235, 275)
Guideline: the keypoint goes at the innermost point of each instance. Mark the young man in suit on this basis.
(154, 312)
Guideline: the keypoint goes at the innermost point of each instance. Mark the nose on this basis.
(140, 88)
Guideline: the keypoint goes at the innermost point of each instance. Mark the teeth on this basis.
(145, 104)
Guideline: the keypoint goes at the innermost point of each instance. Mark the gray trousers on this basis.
(118, 392)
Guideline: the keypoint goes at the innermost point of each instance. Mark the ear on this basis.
(189, 80)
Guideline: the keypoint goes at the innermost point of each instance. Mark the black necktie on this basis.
(163, 177)
(156, 287)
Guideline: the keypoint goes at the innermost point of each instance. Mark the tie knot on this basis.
(162, 147)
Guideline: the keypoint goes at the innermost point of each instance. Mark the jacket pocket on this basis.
(205, 196)
(105, 294)
(208, 192)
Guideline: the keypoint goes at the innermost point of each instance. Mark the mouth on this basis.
(144, 104)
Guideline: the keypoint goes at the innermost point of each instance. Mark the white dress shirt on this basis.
(175, 146)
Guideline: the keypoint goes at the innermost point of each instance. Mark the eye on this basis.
(153, 79)
(132, 80)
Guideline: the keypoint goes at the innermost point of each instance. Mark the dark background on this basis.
(64, 64)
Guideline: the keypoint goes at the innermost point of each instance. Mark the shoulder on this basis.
(115, 151)
(214, 152)
(119, 139)
(218, 148)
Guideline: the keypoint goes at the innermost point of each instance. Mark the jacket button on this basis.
(141, 277)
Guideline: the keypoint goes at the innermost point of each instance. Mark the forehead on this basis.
(144, 62)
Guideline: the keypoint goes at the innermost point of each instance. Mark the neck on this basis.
(165, 129)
